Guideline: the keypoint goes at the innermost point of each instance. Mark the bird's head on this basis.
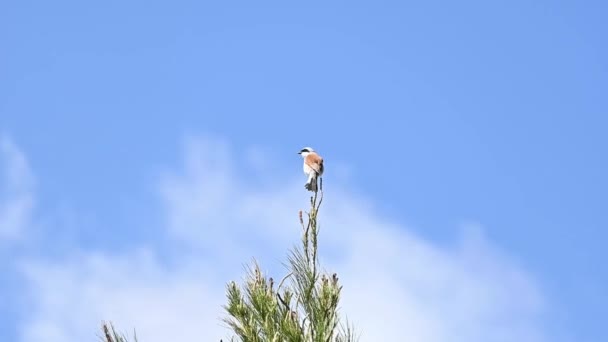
(305, 151)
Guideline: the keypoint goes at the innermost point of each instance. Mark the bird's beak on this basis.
(300, 152)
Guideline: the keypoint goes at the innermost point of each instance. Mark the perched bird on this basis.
(313, 167)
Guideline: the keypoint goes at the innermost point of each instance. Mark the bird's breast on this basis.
(306, 169)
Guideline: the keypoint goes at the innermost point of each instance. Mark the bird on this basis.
(313, 167)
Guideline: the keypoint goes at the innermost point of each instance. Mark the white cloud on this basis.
(133, 290)
(397, 286)
(16, 186)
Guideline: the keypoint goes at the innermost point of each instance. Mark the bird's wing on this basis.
(315, 162)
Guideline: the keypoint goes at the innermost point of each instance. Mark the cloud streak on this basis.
(16, 191)
(397, 285)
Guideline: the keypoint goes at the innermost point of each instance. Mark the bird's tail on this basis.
(311, 185)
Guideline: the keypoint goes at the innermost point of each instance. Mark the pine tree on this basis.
(304, 305)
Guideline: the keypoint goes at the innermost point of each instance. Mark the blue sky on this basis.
(432, 116)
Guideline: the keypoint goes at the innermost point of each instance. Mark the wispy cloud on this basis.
(397, 285)
(16, 190)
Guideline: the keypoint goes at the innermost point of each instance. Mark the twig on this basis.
(106, 332)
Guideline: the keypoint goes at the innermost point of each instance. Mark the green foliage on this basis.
(304, 305)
